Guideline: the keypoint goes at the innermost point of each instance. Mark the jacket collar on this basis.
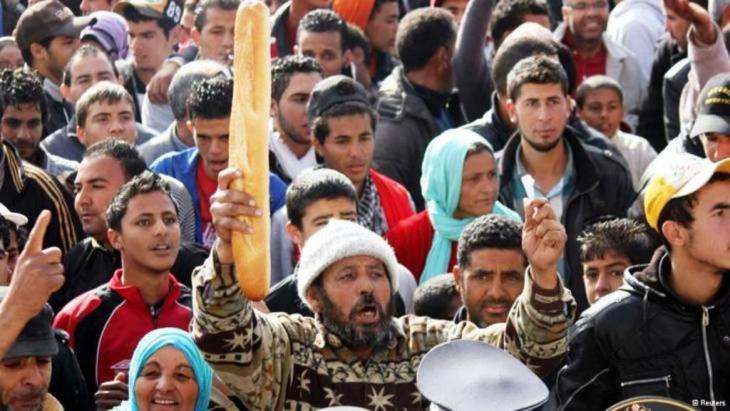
(653, 279)
(132, 294)
(584, 172)
(398, 85)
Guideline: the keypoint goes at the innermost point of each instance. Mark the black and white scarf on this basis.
(369, 211)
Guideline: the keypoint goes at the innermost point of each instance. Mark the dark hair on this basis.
(320, 125)
(623, 236)
(356, 38)
(131, 14)
(565, 56)
(377, 5)
(211, 98)
(593, 83)
(323, 21)
(21, 86)
(284, 68)
(128, 157)
(433, 298)
(488, 231)
(510, 14)
(315, 185)
(507, 57)
(421, 33)
(5, 227)
(535, 70)
(202, 8)
(86, 50)
(145, 183)
(105, 91)
(28, 55)
(183, 80)
(679, 209)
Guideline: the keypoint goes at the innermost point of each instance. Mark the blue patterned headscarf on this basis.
(441, 173)
(179, 339)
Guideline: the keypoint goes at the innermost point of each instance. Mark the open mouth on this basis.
(164, 403)
(162, 249)
(368, 314)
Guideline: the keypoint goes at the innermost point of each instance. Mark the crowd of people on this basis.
(550, 178)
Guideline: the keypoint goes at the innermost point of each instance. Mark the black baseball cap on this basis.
(36, 339)
(713, 115)
(333, 91)
(154, 9)
(48, 18)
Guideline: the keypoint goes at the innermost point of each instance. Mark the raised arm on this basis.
(537, 325)
(248, 350)
(470, 64)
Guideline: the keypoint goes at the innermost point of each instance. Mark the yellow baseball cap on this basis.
(686, 175)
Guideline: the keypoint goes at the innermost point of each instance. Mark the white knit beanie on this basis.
(337, 240)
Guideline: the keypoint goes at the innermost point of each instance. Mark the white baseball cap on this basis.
(17, 219)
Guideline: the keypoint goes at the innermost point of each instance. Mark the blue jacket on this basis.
(182, 165)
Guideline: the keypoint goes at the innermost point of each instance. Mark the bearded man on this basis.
(354, 352)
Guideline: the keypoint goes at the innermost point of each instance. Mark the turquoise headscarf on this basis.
(174, 337)
(443, 166)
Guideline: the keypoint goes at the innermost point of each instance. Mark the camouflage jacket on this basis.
(280, 361)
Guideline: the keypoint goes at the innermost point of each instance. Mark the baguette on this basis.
(248, 142)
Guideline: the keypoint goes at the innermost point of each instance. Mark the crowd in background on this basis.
(548, 177)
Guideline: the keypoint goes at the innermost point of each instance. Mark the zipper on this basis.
(705, 324)
(155, 315)
(665, 378)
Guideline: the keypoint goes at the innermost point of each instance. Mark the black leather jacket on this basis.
(602, 187)
(642, 340)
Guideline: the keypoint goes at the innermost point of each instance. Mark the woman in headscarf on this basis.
(167, 369)
(459, 182)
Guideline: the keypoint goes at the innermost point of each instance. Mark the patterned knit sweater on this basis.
(278, 361)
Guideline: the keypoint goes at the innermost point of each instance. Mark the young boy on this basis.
(600, 105)
(607, 248)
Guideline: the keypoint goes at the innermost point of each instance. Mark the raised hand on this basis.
(543, 241)
(111, 393)
(38, 273)
(226, 205)
(697, 16)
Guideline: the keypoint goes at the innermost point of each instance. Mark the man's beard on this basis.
(476, 317)
(291, 130)
(375, 336)
(544, 148)
(32, 393)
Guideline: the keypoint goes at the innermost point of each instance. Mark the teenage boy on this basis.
(209, 108)
(663, 333)
(106, 323)
(106, 167)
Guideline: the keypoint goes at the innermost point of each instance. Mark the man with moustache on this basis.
(353, 352)
(490, 269)
(546, 159)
